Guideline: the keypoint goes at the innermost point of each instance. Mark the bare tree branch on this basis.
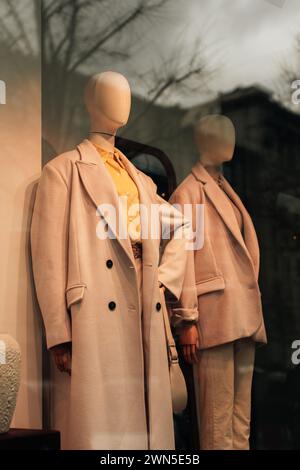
(74, 36)
(71, 33)
(19, 24)
(137, 12)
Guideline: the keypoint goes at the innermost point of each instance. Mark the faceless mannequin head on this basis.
(108, 100)
(215, 139)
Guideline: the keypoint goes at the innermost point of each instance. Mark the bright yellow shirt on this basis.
(126, 188)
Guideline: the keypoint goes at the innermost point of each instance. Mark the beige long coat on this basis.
(226, 268)
(118, 396)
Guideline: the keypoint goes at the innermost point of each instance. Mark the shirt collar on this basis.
(106, 155)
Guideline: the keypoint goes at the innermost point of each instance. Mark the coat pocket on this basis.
(74, 294)
(210, 285)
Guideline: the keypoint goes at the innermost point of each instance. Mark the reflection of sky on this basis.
(244, 41)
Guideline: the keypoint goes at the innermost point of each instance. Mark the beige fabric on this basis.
(219, 180)
(223, 380)
(226, 268)
(236, 210)
(118, 356)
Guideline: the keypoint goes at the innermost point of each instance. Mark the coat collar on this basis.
(225, 210)
(200, 173)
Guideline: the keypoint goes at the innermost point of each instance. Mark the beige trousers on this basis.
(223, 379)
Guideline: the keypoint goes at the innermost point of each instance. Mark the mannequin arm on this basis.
(184, 309)
(172, 268)
(49, 238)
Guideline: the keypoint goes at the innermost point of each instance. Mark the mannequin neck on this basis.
(213, 170)
(106, 141)
(208, 160)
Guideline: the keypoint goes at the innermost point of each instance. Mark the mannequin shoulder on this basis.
(62, 164)
(148, 181)
(189, 191)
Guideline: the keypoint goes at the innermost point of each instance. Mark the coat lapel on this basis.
(249, 230)
(101, 189)
(223, 205)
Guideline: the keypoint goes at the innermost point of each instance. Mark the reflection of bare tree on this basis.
(75, 34)
(181, 73)
(78, 34)
(19, 50)
(70, 35)
(17, 26)
(81, 36)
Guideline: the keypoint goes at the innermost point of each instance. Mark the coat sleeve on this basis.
(175, 270)
(49, 242)
(185, 310)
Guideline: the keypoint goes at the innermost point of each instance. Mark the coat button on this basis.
(112, 305)
(109, 263)
(158, 306)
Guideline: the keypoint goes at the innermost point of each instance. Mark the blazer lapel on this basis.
(249, 230)
(221, 203)
(101, 189)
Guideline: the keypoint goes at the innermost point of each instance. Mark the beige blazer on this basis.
(226, 267)
(88, 293)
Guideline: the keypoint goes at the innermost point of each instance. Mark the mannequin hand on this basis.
(189, 341)
(62, 356)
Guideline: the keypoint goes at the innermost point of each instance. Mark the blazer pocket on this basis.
(74, 294)
(210, 285)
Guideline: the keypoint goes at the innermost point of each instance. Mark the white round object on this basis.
(10, 373)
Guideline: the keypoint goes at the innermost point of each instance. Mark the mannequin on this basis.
(107, 99)
(100, 297)
(229, 300)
